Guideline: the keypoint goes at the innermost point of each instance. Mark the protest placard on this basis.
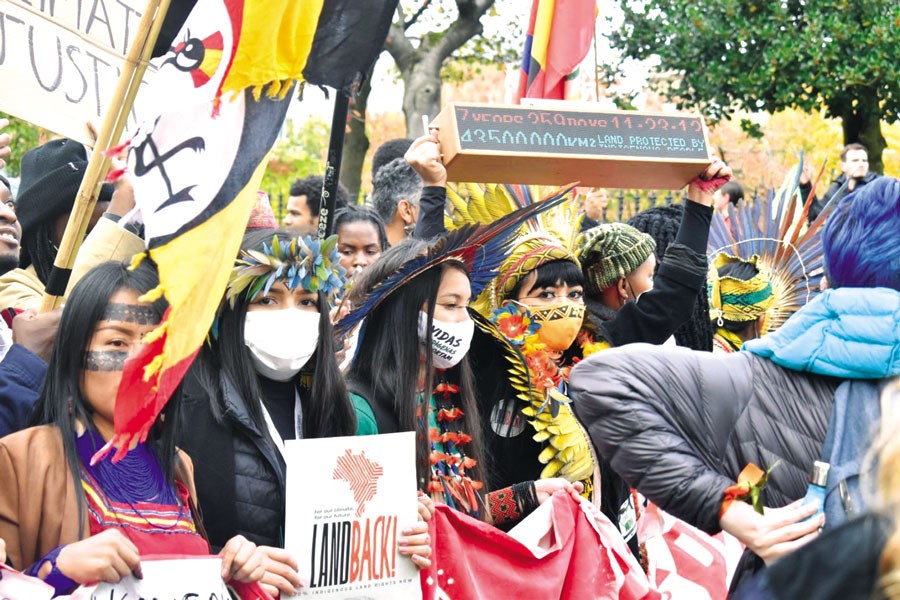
(554, 145)
(348, 499)
(60, 60)
(165, 578)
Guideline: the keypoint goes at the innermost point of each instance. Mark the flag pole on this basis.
(110, 133)
(333, 164)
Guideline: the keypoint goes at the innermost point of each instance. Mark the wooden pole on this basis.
(98, 165)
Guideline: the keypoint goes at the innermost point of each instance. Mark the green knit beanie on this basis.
(610, 251)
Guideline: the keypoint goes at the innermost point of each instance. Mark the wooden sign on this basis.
(621, 149)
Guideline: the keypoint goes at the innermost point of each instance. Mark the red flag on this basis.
(559, 36)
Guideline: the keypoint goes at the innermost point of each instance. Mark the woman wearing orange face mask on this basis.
(536, 304)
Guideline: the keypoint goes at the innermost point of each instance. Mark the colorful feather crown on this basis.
(790, 253)
(738, 300)
(480, 247)
(304, 262)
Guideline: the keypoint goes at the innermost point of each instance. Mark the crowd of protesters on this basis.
(643, 371)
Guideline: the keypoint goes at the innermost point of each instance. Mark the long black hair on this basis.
(387, 361)
(327, 410)
(62, 402)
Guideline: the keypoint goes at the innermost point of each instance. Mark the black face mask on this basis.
(633, 297)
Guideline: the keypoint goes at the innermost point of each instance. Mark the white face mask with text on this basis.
(281, 342)
(449, 341)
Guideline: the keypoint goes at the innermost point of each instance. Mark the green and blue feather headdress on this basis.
(304, 262)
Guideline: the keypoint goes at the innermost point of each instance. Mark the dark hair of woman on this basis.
(62, 402)
(362, 214)
(327, 410)
(745, 272)
(387, 359)
(553, 273)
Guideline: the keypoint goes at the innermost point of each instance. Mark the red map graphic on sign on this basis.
(362, 474)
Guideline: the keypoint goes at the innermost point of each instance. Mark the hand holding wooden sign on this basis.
(532, 145)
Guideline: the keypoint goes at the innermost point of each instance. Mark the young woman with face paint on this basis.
(412, 369)
(268, 374)
(68, 521)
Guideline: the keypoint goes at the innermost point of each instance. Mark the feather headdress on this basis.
(547, 237)
(303, 262)
(476, 203)
(790, 254)
(480, 247)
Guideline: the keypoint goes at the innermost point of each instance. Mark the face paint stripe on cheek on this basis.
(131, 313)
(105, 361)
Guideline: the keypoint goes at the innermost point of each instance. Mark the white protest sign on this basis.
(15, 585)
(174, 579)
(348, 500)
(60, 61)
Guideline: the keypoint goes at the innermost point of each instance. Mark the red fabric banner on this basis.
(562, 550)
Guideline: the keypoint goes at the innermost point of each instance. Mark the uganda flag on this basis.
(558, 38)
(222, 92)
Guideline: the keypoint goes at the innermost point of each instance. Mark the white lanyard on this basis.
(273, 431)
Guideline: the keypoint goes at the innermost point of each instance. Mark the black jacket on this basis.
(680, 425)
(833, 192)
(659, 312)
(238, 471)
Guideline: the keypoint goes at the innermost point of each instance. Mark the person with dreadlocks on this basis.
(69, 519)
(740, 297)
(269, 374)
(51, 175)
(412, 364)
(661, 223)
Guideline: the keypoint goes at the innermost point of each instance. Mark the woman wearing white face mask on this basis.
(268, 374)
(412, 368)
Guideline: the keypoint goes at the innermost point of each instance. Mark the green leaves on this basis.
(731, 55)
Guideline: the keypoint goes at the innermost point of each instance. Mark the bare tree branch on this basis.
(418, 14)
(399, 46)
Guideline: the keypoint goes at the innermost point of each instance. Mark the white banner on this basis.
(183, 577)
(348, 500)
(60, 60)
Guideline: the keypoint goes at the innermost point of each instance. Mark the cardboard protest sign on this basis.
(564, 142)
(14, 585)
(348, 499)
(60, 60)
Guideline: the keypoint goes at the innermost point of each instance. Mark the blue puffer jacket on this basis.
(851, 333)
